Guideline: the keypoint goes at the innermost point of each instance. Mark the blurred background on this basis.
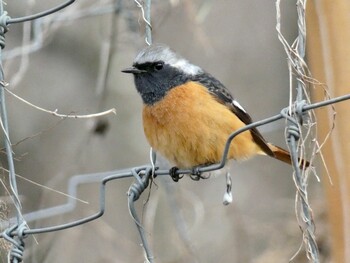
(74, 66)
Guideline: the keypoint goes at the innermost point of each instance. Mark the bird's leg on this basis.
(174, 176)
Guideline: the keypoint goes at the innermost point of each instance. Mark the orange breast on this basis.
(189, 127)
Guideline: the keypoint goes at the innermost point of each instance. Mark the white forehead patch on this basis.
(234, 102)
(159, 52)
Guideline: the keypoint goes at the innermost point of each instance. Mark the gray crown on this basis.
(160, 52)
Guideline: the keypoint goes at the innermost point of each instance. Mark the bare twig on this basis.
(55, 112)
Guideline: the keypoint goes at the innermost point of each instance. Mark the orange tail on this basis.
(284, 156)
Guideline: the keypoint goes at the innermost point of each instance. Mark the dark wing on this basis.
(222, 95)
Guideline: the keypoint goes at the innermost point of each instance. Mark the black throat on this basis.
(153, 85)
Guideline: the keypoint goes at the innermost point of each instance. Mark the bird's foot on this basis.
(172, 172)
(196, 174)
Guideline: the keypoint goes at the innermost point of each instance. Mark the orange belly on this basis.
(189, 127)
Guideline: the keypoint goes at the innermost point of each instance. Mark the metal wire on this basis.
(294, 119)
(20, 231)
(134, 193)
(148, 22)
(137, 188)
(293, 114)
(130, 172)
(16, 252)
(146, 16)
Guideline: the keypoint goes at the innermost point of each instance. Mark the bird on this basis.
(188, 114)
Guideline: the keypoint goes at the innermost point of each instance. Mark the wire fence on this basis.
(298, 116)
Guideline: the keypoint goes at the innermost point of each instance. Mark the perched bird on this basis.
(188, 114)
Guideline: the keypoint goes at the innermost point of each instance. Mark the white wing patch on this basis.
(234, 102)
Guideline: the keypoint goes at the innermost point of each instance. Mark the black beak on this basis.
(133, 70)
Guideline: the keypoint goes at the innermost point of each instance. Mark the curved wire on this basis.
(104, 181)
(250, 126)
(41, 14)
(130, 172)
(135, 190)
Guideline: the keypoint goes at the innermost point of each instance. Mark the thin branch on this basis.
(55, 112)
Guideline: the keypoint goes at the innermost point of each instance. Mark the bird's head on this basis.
(157, 69)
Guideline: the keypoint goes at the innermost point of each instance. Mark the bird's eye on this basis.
(159, 66)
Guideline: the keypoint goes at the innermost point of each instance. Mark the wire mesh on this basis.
(293, 114)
